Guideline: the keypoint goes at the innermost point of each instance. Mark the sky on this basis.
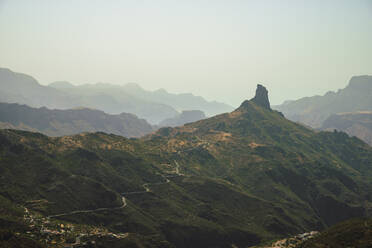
(218, 49)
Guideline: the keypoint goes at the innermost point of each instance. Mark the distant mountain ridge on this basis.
(61, 85)
(357, 124)
(71, 121)
(183, 118)
(24, 89)
(113, 99)
(179, 102)
(313, 111)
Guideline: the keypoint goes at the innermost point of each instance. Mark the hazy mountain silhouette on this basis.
(61, 85)
(113, 99)
(153, 106)
(71, 121)
(24, 89)
(312, 111)
(186, 116)
(357, 124)
(137, 97)
(180, 102)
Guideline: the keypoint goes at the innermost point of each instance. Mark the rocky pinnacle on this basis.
(261, 98)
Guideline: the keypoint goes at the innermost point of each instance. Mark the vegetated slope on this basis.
(56, 175)
(71, 121)
(91, 171)
(280, 161)
(186, 116)
(357, 124)
(237, 178)
(312, 111)
(356, 233)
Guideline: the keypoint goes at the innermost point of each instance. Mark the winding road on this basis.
(177, 172)
(123, 199)
(146, 185)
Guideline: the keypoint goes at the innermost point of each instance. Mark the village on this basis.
(294, 241)
(56, 233)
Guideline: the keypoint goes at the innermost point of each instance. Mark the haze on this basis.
(217, 49)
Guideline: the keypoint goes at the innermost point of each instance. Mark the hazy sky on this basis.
(216, 49)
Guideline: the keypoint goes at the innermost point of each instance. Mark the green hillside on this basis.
(239, 178)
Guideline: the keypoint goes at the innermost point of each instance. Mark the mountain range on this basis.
(357, 124)
(233, 180)
(71, 121)
(113, 99)
(153, 106)
(335, 109)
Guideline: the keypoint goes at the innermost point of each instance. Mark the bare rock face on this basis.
(261, 98)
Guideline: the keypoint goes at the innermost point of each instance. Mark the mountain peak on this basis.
(261, 98)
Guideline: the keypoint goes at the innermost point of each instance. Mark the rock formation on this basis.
(261, 98)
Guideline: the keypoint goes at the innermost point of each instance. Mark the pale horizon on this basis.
(218, 50)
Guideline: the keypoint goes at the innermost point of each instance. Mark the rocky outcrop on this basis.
(261, 98)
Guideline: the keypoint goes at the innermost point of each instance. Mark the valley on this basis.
(240, 178)
(185, 124)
